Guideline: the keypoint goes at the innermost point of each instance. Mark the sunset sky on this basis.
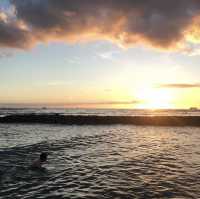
(97, 53)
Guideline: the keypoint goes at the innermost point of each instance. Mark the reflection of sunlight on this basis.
(154, 98)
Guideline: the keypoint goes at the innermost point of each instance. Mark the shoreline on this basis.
(101, 120)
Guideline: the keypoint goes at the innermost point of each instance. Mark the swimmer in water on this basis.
(37, 164)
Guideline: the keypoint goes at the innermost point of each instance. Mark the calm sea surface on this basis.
(100, 112)
(118, 162)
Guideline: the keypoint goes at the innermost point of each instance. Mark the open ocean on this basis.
(100, 112)
(100, 161)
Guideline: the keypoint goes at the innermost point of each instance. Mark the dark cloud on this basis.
(158, 23)
(179, 86)
(12, 36)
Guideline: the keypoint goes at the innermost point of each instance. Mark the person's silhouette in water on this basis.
(37, 164)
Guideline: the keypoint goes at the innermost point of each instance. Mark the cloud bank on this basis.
(157, 23)
(184, 85)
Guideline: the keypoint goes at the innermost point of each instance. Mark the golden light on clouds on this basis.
(159, 24)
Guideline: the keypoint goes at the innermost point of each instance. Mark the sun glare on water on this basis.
(154, 98)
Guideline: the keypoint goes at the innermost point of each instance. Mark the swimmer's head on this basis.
(43, 157)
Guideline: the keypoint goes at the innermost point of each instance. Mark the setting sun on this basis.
(154, 98)
(99, 98)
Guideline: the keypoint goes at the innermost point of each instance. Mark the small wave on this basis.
(102, 162)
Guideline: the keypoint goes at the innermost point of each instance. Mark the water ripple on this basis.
(118, 162)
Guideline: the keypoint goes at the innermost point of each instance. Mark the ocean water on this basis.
(100, 112)
(104, 162)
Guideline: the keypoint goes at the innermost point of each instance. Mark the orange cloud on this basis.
(156, 23)
(183, 85)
